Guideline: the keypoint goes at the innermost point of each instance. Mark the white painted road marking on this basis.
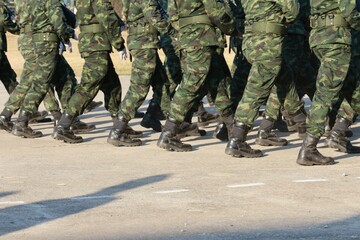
(12, 203)
(245, 185)
(310, 180)
(173, 191)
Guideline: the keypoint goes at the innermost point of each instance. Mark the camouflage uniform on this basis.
(263, 51)
(197, 23)
(262, 46)
(240, 67)
(330, 39)
(144, 23)
(7, 74)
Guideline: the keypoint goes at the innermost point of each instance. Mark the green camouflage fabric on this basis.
(350, 93)
(147, 69)
(240, 67)
(332, 46)
(204, 69)
(263, 51)
(94, 12)
(48, 27)
(140, 16)
(95, 47)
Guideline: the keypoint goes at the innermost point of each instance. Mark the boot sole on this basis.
(339, 147)
(66, 140)
(305, 162)
(173, 149)
(239, 154)
(265, 142)
(79, 131)
(21, 134)
(124, 144)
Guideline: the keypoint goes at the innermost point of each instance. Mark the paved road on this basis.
(53, 190)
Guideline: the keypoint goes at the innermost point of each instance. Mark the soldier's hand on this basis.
(123, 54)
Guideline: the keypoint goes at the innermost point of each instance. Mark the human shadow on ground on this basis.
(24, 216)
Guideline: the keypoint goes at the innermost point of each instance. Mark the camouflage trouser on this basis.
(16, 98)
(335, 60)
(7, 74)
(264, 53)
(350, 93)
(284, 93)
(160, 86)
(199, 63)
(64, 83)
(46, 59)
(142, 74)
(98, 74)
(240, 72)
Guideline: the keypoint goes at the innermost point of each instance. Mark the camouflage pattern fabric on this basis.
(199, 43)
(332, 46)
(263, 51)
(47, 26)
(147, 69)
(98, 71)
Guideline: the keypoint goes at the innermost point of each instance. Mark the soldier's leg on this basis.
(335, 60)
(196, 68)
(266, 63)
(143, 68)
(7, 74)
(95, 68)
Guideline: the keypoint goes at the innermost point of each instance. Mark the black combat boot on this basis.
(338, 139)
(296, 121)
(62, 130)
(189, 130)
(168, 139)
(237, 147)
(266, 137)
(78, 126)
(39, 117)
(5, 120)
(21, 127)
(223, 130)
(152, 117)
(128, 130)
(117, 135)
(309, 155)
(205, 118)
(57, 116)
(92, 105)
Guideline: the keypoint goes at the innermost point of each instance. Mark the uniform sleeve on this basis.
(106, 16)
(153, 15)
(219, 16)
(290, 9)
(57, 19)
(349, 12)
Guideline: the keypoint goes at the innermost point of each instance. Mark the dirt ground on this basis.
(93, 190)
